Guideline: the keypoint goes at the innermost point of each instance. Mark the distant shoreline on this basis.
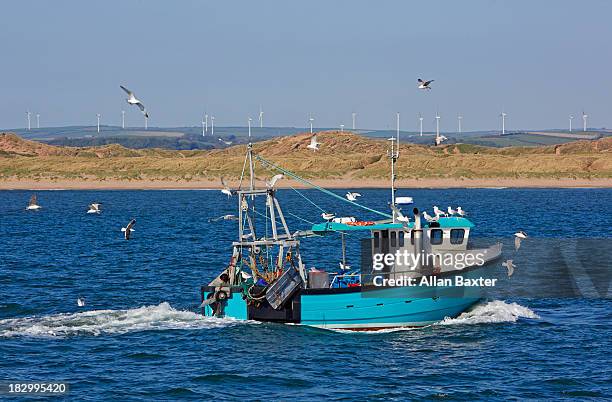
(327, 183)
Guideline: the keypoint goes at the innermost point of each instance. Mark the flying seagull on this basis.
(518, 238)
(132, 100)
(228, 143)
(127, 231)
(94, 208)
(314, 145)
(424, 84)
(224, 218)
(509, 266)
(81, 301)
(32, 205)
(226, 190)
(327, 216)
(274, 179)
(439, 139)
(351, 196)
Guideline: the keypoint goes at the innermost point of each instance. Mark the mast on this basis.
(394, 156)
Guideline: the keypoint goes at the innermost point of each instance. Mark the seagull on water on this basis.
(127, 231)
(274, 179)
(33, 204)
(430, 218)
(226, 190)
(351, 196)
(94, 208)
(314, 145)
(228, 143)
(509, 266)
(132, 100)
(327, 216)
(424, 84)
(518, 238)
(81, 301)
(451, 211)
(461, 212)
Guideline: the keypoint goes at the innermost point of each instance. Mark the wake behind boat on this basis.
(267, 278)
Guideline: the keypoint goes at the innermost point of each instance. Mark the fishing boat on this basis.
(267, 278)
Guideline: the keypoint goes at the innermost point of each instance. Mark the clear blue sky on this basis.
(538, 60)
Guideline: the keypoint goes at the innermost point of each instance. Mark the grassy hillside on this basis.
(342, 156)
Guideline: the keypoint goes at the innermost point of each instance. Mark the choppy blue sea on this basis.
(140, 335)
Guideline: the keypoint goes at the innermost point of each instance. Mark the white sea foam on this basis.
(492, 312)
(97, 322)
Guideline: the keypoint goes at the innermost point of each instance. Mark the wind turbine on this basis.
(459, 118)
(203, 128)
(98, 116)
(212, 125)
(146, 122)
(250, 129)
(205, 122)
(261, 113)
(37, 120)
(437, 125)
(571, 117)
(341, 128)
(397, 124)
(354, 115)
(311, 119)
(421, 124)
(123, 119)
(503, 118)
(28, 114)
(584, 121)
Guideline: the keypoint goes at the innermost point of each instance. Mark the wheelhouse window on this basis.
(435, 236)
(457, 235)
(393, 239)
(412, 237)
(376, 239)
(401, 238)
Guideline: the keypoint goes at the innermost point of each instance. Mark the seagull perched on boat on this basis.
(509, 266)
(430, 218)
(438, 212)
(518, 238)
(226, 190)
(327, 216)
(33, 204)
(451, 212)
(228, 143)
(399, 216)
(461, 212)
(424, 84)
(81, 301)
(352, 196)
(274, 179)
(127, 231)
(94, 208)
(228, 217)
(314, 145)
(132, 100)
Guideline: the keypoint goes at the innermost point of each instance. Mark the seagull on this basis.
(32, 205)
(518, 238)
(398, 214)
(352, 196)
(510, 266)
(274, 179)
(226, 190)
(81, 301)
(245, 275)
(228, 143)
(451, 211)
(438, 212)
(314, 145)
(439, 139)
(127, 231)
(131, 99)
(344, 267)
(461, 212)
(94, 208)
(328, 217)
(228, 217)
(430, 218)
(424, 84)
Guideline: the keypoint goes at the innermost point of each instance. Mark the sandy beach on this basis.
(336, 183)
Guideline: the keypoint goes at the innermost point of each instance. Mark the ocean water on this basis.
(140, 335)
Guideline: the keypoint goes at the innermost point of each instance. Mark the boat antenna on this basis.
(250, 154)
(393, 154)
